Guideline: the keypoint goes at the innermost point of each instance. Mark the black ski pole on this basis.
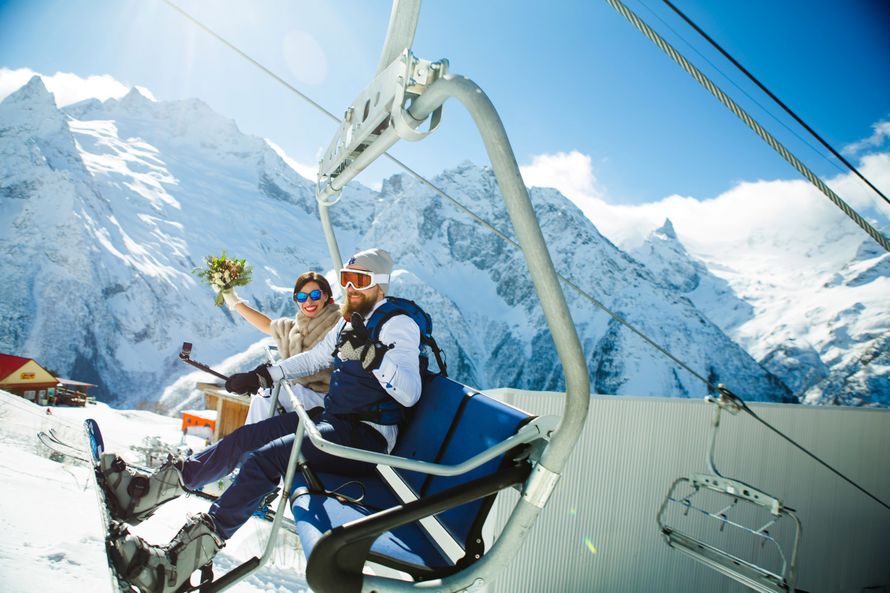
(184, 357)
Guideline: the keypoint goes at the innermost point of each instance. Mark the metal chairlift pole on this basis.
(400, 33)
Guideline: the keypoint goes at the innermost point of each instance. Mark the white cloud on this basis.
(777, 222)
(766, 226)
(880, 135)
(876, 168)
(569, 172)
(12, 80)
(67, 88)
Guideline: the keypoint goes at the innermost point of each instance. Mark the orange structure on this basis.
(198, 419)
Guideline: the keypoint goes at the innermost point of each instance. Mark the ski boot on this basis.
(167, 569)
(134, 495)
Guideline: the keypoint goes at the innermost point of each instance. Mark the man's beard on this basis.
(363, 307)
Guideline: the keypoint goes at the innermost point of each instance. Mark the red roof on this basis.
(10, 364)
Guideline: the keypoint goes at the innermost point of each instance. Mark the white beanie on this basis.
(375, 260)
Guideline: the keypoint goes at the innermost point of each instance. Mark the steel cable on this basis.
(749, 121)
(772, 96)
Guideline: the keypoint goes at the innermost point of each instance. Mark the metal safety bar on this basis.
(537, 429)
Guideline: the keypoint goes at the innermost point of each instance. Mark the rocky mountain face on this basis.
(107, 207)
(820, 324)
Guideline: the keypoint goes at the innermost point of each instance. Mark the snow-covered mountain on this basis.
(107, 207)
(820, 322)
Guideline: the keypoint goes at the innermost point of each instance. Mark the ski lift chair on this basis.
(451, 424)
(460, 447)
(715, 510)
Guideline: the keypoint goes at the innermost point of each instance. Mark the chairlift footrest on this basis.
(734, 567)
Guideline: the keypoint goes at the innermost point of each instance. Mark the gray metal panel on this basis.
(632, 449)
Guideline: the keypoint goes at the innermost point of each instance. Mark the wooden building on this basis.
(231, 409)
(26, 378)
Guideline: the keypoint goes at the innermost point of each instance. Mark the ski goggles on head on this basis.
(360, 279)
(301, 296)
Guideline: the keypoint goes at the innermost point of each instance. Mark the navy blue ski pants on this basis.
(263, 449)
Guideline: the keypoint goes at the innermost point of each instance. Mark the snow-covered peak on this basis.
(32, 107)
(134, 101)
(32, 96)
(33, 133)
(811, 319)
(666, 257)
(667, 229)
(870, 249)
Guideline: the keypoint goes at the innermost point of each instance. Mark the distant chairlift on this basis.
(422, 515)
(731, 518)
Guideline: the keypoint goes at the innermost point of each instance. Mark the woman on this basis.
(317, 314)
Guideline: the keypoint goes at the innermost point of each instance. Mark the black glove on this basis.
(356, 344)
(250, 382)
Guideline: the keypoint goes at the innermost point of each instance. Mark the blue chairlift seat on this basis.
(450, 424)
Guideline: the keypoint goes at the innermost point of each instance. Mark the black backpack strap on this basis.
(400, 306)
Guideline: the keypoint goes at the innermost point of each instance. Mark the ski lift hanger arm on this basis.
(376, 120)
(527, 230)
(404, 119)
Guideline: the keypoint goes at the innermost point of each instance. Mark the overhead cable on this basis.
(754, 100)
(751, 413)
(667, 48)
(772, 96)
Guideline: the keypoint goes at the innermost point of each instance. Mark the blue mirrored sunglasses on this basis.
(301, 297)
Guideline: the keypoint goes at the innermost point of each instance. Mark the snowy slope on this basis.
(819, 321)
(106, 216)
(37, 555)
(107, 207)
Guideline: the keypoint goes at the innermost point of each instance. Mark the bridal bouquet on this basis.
(223, 273)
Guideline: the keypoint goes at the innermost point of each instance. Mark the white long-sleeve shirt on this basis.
(398, 374)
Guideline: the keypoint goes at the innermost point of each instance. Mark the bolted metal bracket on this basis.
(377, 108)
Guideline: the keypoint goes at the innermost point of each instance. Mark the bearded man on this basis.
(374, 379)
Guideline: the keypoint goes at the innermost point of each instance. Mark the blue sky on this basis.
(583, 94)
